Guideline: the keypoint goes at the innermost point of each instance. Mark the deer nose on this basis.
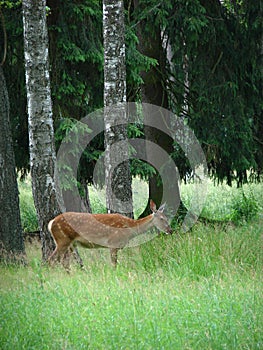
(169, 231)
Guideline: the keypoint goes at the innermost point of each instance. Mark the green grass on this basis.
(198, 290)
(202, 290)
(226, 203)
(131, 311)
(27, 209)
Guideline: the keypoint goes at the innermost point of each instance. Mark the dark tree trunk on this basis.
(11, 238)
(154, 92)
(117, 170)
(41, 133)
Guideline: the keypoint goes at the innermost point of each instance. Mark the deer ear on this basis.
(153, 206)
(161, 209)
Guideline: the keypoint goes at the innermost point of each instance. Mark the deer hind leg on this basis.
(60, 251)
(77, 257)
(65, 260)
(114, 256)
(71, 251)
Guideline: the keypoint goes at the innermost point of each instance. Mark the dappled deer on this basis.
(113, 231)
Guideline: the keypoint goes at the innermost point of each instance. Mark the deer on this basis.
(112, 230)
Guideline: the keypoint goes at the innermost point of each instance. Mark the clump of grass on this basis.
(245, 207)
(97, 200)
(27, 208)
(205, 251)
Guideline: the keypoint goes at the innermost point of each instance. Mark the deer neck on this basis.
(144, 224)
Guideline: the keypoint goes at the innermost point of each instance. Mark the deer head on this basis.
(160, 220)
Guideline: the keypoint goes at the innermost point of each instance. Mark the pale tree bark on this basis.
(117, 171)
(11, 238)
(40, 123)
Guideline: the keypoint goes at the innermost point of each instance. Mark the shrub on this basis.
(245, 207)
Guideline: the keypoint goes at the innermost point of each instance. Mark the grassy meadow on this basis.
(196, 290)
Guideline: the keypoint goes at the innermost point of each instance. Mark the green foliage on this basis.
(216, 91)
(142, 169)
(97, 200)
(245, 207)
(212, 76)
(135, 64)
(219, 98)
(76, 58)
(135, 131)
(70, 131)
(74, 134)
(10, 4)
(76, 62)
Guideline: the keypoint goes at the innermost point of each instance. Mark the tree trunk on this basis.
(154, 92)
(11, 238)
(117, 170)
(41, 133)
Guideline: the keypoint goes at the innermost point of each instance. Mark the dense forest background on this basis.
(202, 59)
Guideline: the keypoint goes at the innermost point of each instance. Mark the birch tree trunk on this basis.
(117, 171)
(40, 123)
(11, 239)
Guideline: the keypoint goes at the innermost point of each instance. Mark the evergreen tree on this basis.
(223, 94)
(212, 67)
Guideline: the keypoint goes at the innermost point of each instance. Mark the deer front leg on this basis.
(113, 255)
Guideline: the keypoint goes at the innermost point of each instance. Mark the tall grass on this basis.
(27, 208)
(202, 290)
(198, 290)
(130, 310)
(224, 203)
